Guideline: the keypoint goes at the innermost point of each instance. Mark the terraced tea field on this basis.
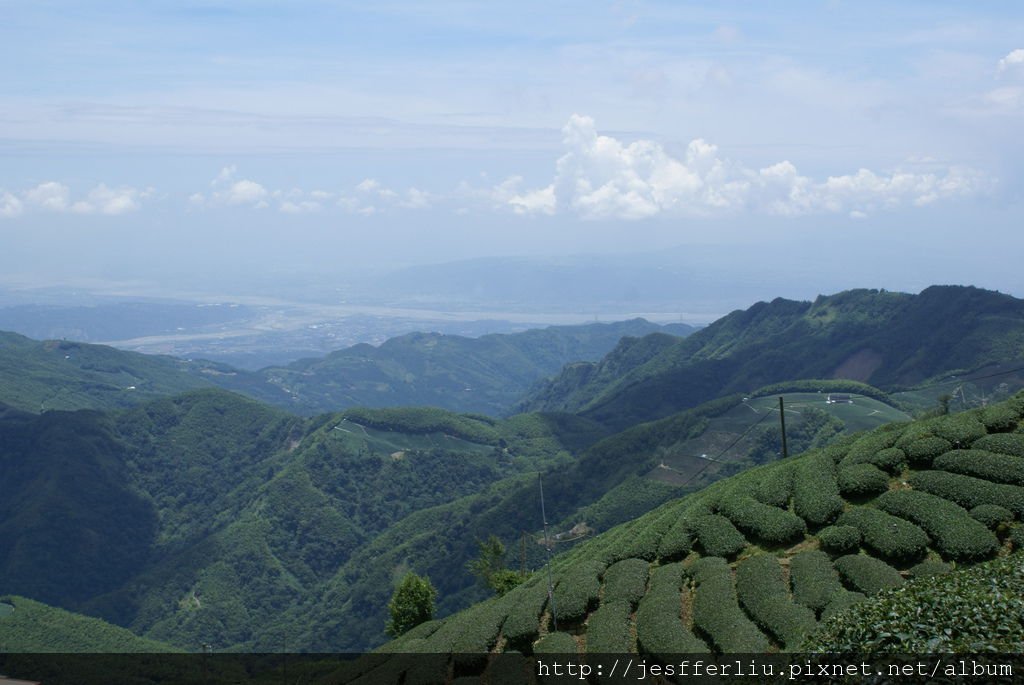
(758, 562)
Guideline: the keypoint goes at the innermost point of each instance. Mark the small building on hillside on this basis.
(838, 398)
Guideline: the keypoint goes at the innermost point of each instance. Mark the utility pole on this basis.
(547, 545)
(782, 422)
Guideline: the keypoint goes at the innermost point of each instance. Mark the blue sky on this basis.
(268, 135)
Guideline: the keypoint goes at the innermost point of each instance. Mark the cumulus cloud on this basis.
(1014, 61)
(112, 201)
(53, 196)
(600, 177)
(10, 205)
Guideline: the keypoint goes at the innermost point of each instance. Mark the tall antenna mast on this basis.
(782, 421)
(547, 545)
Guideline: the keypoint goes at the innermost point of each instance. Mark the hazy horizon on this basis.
(220, 148)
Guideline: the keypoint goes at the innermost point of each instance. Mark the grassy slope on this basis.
(30, 626)
(883, 338)
(719, 605)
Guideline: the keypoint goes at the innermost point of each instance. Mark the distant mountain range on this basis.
(890, 340)
(486, 374)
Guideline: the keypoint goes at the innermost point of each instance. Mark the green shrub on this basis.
(717, 536)
(954, 533)
(999, 418)
(921, 452)
(766, 523)
(862, 480)
(659, 629)
(840, 602)
(716, 612)
(975, 610)
(999, 468)
(677, 541)
(608, 629)
(840, 539)
(814, 579)
(991, 515)
(887, 535)
(815, 492)
(625, 581)
(1017, 538)
(556, 643)
(969, 492)
(577, 591)
(865, 449)
(762, 591)
(1002, 443)
(930, 567)
(867, 574)
(960, 429)
(644, 543)
(776, 486)
(527, 603)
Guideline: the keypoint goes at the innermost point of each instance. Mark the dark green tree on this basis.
(411, 605)
(489, 567)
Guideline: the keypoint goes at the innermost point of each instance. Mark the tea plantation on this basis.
(763, 560)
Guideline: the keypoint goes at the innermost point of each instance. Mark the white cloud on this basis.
(300, 206)
(1013, 61)
(368, 185)
(51, 196)
(112, 201)
(244, 192)
(10, 205)
(600, 177)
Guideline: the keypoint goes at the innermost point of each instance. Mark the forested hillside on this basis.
(890, 340)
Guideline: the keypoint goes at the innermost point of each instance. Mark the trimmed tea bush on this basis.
(998, 468)
(955, 534)
(815, 492)
(762, 591)
(577, 591)
(862, 480)
(891, 537)
(960, 429)
(556, 643)
(975, 610)
(625, 581)
(659, 629)
(1017, 538)
(999, 418)
(644, 542)
(1002, 443)
(768, 524)
(921, 452)
(840, 602)
(814, 579)
(716, 612)
(930, 567)
(867, 574)
(521, 626)
(608, 629)
(677, 541)
(840, 539)
(991, 515)
(863, 451)
(776, 486)
(717, 536)
(969, 492)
